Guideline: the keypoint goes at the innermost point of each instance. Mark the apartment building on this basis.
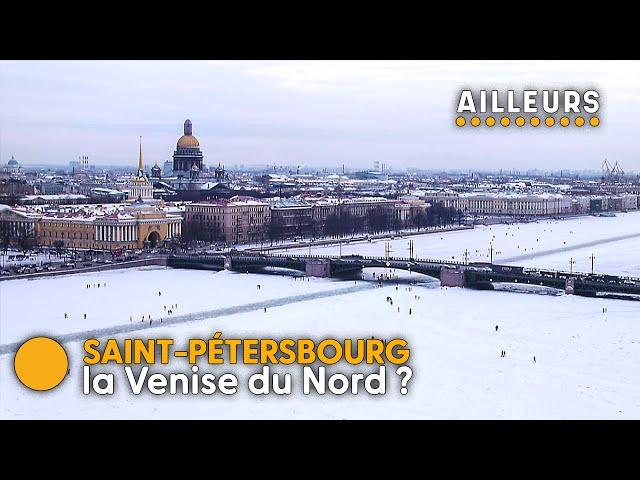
(237, 220)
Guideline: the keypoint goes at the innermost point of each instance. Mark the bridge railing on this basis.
(362, 257)
(588, 276)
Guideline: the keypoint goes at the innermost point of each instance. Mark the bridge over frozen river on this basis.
(481, 276)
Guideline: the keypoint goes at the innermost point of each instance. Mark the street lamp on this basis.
(592, 257)
(571, 263)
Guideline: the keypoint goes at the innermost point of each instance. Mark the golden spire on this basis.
(140, 165)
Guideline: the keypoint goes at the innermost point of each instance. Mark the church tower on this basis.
(187, 159)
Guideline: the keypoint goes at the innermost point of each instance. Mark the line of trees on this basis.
(437, 216)
(200, 231)
(377, 220)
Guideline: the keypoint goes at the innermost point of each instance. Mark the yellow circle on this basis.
(504, 121)
(549, 121)
(490, 121)
(460, 121)
(41, 363)
(564, 121)
(579, 121)
(594, 121)
(535, 121)
(520, 121)
(475, 121)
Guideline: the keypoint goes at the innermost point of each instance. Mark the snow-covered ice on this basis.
(587, 360)
(532, 241)
(126, 296)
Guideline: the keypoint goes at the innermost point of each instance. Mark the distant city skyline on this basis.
(310, 113)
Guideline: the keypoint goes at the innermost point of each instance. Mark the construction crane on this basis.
(612, 171)
(617, 171)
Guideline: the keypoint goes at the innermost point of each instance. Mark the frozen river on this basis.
(614, 242)
(587, 360)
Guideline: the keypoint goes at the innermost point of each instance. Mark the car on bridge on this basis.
(507, 269)
(475, 268)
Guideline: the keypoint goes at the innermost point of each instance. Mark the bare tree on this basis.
(419, 220)
(26, 239)
(5, 235)
(59, 246)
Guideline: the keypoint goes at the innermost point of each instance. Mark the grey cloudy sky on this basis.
(320, 113)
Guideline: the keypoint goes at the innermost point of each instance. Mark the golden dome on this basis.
(188, 141)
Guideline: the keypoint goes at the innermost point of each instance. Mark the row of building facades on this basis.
(532, 204)
(236, 220)
(243, 219)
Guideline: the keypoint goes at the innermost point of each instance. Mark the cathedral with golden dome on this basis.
(187, 159)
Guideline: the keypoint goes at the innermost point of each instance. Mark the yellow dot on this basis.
(564, 121)
(475, 121)
(504, 121)
(579, 121)
(41, 363)
(520, 121)
(460, 121)
(549, 121)
(535, 121)
(490, 121)
(594, 121)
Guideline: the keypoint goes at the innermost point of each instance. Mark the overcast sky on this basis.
(320, 113)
